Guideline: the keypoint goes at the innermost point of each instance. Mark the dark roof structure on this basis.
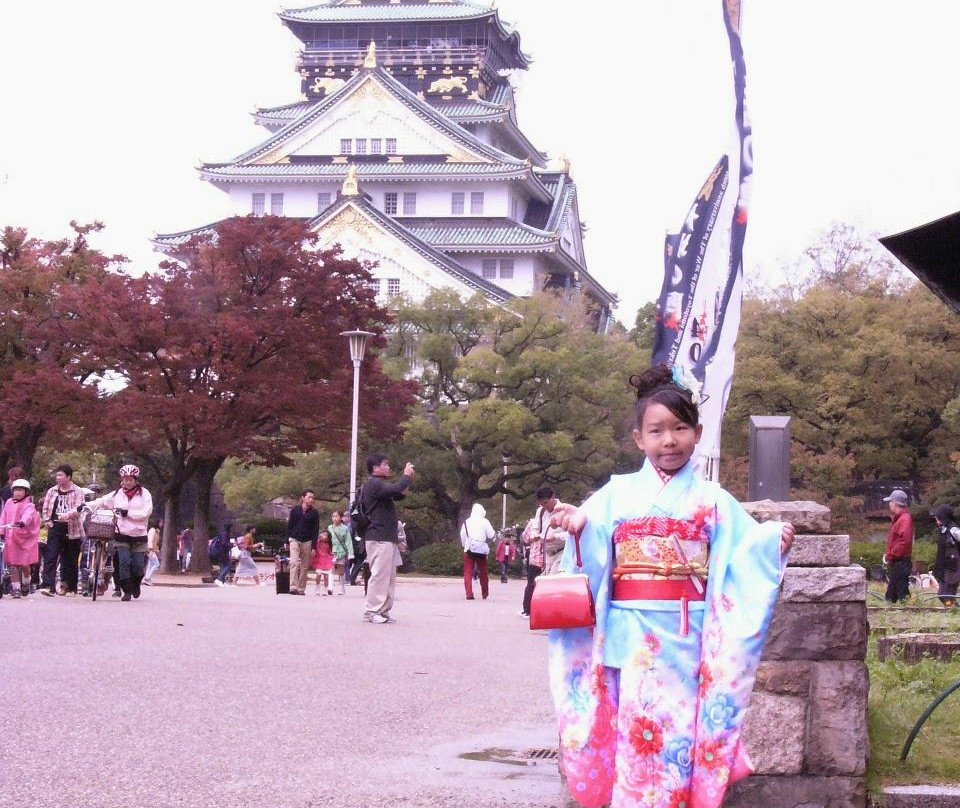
(932, 253)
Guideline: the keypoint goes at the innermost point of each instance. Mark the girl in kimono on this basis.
(651, 700)
(21, 536)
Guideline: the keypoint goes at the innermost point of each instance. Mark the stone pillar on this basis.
(806, 728)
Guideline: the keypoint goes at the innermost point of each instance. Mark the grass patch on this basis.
(899, 694)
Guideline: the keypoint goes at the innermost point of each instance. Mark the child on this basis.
(342, 548)
(506, 552)
(651, 701)
(322, 561)
(21, 537)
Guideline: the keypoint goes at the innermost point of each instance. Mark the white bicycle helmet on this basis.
(129, 470)
(21, 483)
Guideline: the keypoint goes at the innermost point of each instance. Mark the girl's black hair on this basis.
(656, 385)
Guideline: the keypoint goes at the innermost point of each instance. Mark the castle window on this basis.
(376, 145)
(276, 204)
(489, 268)
(476, 203)
(361, 145)
(346, 145)
(409, 204)
(323, 202)
(456, 203)
(391, 145)
(393, 287)
(506, 268)
(258, 204)
(390, 203)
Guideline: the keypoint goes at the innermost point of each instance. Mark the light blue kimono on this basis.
(647, 716)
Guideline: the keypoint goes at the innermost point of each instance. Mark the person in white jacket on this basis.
(132, 505)
(474, 535)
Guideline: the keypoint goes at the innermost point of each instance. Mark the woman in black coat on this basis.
(946, 567)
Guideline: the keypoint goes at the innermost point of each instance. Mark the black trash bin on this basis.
(283, 575)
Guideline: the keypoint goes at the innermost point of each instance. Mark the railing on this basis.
(427, 54)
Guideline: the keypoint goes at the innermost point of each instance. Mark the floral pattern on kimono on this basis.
(649, 716)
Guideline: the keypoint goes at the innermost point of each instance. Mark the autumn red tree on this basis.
(233, 349)
(46, 389)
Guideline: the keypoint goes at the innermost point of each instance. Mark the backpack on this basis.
(219, 547)
(359, 518)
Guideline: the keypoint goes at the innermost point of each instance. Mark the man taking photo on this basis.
(381, 536)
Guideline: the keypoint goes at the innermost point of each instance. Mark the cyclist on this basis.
(132, 504)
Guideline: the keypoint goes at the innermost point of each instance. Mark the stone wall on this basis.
(806, 729)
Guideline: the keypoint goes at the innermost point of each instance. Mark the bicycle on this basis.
(5, 584)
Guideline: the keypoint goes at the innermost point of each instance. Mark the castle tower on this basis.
(413, 100)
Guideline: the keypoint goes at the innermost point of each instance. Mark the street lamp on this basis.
(358, 346)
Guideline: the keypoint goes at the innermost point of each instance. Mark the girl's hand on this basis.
(569, 518)
(787, 536)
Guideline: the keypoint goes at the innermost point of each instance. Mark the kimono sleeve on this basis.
(746, 569)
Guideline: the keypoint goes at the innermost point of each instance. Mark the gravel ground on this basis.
(237, 696)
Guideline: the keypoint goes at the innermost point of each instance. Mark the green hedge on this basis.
(440, 558)
(446, 558)
(868, 553)
(268, 527)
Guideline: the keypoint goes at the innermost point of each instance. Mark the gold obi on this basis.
(660, 557)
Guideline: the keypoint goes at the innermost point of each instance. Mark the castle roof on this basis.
(413, 171)
(479, 234)
(260, 155)
(496, 107)
(412, 11)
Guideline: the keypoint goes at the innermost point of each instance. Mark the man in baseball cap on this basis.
(899, 547)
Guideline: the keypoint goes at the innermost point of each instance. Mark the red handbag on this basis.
(563, 600)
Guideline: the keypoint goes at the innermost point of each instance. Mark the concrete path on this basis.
(240, 697)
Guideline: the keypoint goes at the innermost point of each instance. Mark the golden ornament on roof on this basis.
(371, 60)
(350, 187)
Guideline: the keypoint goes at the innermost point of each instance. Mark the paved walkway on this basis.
(241, 697)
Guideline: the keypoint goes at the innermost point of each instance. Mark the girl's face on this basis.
(666, 440)
(19, 495)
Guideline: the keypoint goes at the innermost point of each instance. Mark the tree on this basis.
(45, 380)
(644, 328)
(863, 362)
(246, 488)
(234, 350)
(523, 383)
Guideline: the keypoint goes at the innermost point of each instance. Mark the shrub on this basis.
(268, 527)
(440, 558)
(868, 553)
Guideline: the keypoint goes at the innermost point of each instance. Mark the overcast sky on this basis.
(107, 110)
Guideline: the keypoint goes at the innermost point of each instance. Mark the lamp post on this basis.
(358, 346)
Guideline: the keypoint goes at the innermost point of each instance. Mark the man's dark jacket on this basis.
(303, 525)
(378, 499)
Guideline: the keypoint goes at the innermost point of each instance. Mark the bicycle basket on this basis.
(102, 525)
